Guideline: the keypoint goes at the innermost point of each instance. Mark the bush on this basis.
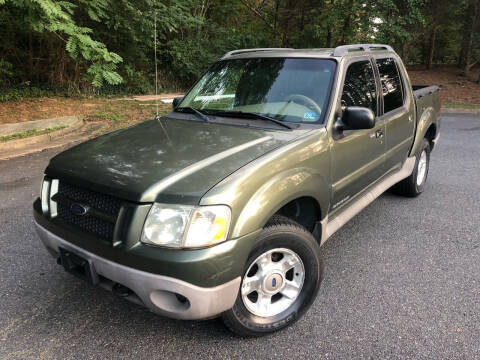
(24, 92)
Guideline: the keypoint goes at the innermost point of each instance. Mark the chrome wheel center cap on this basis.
(273, 283)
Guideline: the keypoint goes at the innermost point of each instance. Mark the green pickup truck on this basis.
(220, 208)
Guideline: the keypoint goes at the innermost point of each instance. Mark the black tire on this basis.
(409, 187)
(280, 232)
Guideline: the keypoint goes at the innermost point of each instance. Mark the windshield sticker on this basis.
(310, 115)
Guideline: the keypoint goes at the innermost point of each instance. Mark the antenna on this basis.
(157, 117)
(156, 70)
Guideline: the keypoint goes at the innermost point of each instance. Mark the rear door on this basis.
(397, 111)
(357, 155)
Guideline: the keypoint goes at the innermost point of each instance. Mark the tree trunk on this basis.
(288, 21)
(329, 28)
(302, 16)
(471, 33)
(433, 35)
(460, 57)
(347, 22)
(404, 48)
(38, 65)
(275, 18)
(30, 56)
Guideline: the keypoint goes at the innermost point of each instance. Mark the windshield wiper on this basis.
(253, 115)
(197, 112)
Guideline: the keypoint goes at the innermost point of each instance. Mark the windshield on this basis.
(286, 89)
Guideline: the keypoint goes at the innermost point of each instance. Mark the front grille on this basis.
(99, 221)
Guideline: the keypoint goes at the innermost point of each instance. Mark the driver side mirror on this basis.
(177, 101)
(357, 118)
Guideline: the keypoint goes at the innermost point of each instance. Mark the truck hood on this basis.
(168, 160)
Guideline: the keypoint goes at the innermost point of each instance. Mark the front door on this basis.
(357, 155)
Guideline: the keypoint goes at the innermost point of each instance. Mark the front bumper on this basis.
(157, 292)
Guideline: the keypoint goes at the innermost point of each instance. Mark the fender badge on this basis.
(78, 209)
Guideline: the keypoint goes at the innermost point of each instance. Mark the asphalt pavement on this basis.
(402, 280)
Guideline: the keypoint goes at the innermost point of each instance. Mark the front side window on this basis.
(391, 84)
(287, 89)
(359, 88)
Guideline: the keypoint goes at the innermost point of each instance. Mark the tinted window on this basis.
(391, 84)
(287, 89)
(359, 88)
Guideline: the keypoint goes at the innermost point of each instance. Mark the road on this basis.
(402, 281)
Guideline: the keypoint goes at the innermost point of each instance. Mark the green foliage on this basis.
(107, 116)
(56, 18)
(24, 91)
(107, 46)
(6, 71)
(188, 58)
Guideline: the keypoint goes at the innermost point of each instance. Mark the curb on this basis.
(86, 132)
(460, 111)
(14, 128)
(20, 143)
(161, 97)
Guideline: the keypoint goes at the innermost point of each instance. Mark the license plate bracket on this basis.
(78, 266)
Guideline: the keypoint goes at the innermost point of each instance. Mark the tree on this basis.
(438, 16)
(107, 45)
(470, 58)
(56, 18)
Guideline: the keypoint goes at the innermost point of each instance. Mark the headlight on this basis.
(208, 226)
(186, 226)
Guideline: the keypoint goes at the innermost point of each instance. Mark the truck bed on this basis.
(427, 104)
(422, 90)
(426, 96)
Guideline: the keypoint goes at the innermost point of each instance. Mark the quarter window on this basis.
(359, 88)
(391, 84)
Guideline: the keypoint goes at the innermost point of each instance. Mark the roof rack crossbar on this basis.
(241, 51)
(345, 49)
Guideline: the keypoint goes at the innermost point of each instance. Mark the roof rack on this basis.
(345, 49)
(241, 51)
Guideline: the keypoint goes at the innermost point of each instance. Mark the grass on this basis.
(107, 116)
(462, 106)
(115, 113)
(118, 113)
(29, 133)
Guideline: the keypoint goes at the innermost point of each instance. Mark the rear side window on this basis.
(359, 88)
(391, 84)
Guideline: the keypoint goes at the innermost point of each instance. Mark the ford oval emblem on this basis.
(274, 282)
(78, 209)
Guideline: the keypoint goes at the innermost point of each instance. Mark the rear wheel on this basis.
(280, 281)
(415, 183)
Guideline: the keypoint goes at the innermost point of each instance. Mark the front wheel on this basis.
(280, 281)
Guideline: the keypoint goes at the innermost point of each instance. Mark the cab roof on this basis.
(338, 52)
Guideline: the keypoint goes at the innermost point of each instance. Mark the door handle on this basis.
(379, 133)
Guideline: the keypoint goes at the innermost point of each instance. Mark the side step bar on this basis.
(329, 227)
